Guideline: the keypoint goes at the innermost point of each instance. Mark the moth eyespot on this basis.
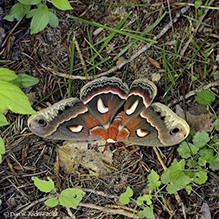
(162, 118)
(174, 131)
(101, 107)
(67, 107)
(42, 123)
(132, 108)
(75, 128)
(141, 133)
(60, 112)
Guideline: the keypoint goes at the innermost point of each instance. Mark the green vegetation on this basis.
(68, 198)
(12, 98)
(39, 13)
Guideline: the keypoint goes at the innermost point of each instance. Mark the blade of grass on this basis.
(112, 34)
(71, 65)
(112, 29)
(151, 27)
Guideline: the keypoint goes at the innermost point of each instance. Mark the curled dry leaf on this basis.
(198, 118)
(72, 154)
(153, 62)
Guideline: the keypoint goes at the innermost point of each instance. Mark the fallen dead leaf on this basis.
(73, 154)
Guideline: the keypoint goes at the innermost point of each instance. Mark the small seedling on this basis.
(68, 198)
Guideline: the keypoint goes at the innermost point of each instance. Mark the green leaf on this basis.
(200, 176)
(216, 124)
(52, 202)
(205, 97)
(3, 120)
(11, 97)
(31, 13)
(2, 146)
(124, 197)
(62, 4)
(25, 81)
(216, 76)
(178, 184)
(207, 154)
(43, 185)
(198, 3)
(153, 179)
(188, 189)
(144, 198)
(147, 212)
(17, 12)
(214, 163)
(40, 19)
(174, 171)
(186, 150)
(200, 139)
(53, 19)
(30, 2)
(7, 75)
(71, 197)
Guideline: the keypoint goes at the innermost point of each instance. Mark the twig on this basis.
(100, 193)
(80, 54)
(75, 77)
(109, 210)
(192, 93)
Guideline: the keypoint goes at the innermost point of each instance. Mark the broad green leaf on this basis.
(206, 154)
(200, 139)
(174, 171)
(178, 184)
(53, 19)
(62, 4)
(124, 197)
(40, 19)
(71, 197)
(205, 97)
(191, 163)
(216, 124)
(186, 150)
(216, 76)
(3, 120)
(7, 75)
(153, 179)
(43, 185)
(147, 212)
(25, 81)
(30, 2)
(200, 176)
(31, 13)
(11, 97)
(144, 198)
(17, 12)
(52, 202)
(214, 163)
